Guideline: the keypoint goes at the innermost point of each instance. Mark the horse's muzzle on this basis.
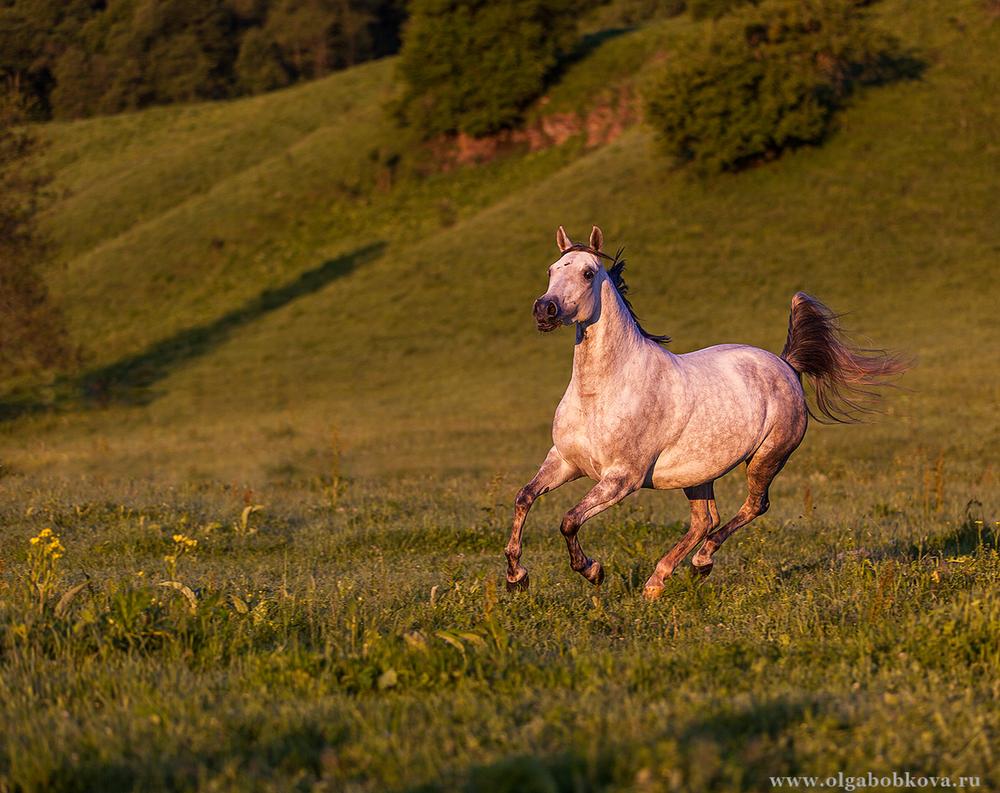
(546, 311)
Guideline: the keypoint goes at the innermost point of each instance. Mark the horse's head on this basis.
(575, 280)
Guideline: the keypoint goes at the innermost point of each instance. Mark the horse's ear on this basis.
(596, 238)
(563, 240)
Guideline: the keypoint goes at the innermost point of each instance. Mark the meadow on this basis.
(281, 485)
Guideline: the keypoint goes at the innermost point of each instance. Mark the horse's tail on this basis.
(842, 375)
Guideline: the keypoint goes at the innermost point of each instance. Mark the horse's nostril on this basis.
(551, 309)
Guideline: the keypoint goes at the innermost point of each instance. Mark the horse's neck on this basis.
(605, 346)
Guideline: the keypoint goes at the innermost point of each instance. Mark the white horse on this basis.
(636, 415)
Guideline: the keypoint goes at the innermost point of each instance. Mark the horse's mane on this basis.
(615, 272)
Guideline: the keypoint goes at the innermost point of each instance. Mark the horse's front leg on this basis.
(555, 471)
(606, 493)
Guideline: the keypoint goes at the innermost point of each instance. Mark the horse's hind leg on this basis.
(704, 519)
(555, 471)
(761, 470)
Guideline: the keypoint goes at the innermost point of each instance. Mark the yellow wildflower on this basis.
(52, 544)
(182, 544)
(43, 575)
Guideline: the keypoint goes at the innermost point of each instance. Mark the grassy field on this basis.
(323, 369)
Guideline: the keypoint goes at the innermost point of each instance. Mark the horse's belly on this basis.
(671, 471)
(696, 458)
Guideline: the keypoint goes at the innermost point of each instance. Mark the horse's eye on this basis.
(588, 275)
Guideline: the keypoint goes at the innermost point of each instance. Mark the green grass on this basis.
(367, 645)
(273, 318)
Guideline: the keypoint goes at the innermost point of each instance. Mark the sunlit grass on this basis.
(409, 663)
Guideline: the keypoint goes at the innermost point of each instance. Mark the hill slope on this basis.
(237, 265)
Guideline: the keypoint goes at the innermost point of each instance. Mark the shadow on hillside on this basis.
(584, 47)
(131, 380)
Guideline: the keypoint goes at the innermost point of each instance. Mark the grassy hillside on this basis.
(264, 255)
(273, 316)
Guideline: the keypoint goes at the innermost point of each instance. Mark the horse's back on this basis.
(754, 382)
(737, 397)
(742, 366)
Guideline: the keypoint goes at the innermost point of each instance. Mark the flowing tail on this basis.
(842, 375)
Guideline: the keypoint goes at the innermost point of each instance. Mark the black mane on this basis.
(615, 272)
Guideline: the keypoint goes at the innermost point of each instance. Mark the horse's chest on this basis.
(590, 438)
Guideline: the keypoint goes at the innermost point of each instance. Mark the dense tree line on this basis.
(82, 57)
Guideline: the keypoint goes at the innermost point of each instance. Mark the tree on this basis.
(767, 79)
(33, 34)
(32, 331)
(473, 66)
(259, 66)
(82, 57)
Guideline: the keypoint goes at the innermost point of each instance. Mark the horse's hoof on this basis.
(518, 585)
(702, 570)
(594, 573)
(652, 592)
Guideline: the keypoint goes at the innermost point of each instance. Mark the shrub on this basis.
(768, 78)
(474, 66)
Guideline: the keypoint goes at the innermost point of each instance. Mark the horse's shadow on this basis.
(966, 538)
(731, 731)
(132, 379)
